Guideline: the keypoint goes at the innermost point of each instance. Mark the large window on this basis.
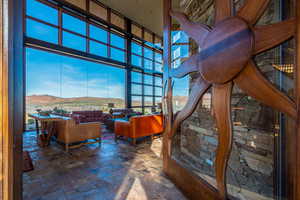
(71, 84)
(73, 30)
(146, 91)
(99, 34)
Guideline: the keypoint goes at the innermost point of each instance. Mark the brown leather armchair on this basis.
(139, 126)
(68, 132)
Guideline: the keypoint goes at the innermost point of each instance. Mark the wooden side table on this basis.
(47, 127)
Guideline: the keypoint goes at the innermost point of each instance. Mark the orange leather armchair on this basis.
(68, 132)
(139, 126)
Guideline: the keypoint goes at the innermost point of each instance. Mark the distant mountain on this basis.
(48, 99)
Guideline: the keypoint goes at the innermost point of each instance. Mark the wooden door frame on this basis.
(12, 98)
(197, 188)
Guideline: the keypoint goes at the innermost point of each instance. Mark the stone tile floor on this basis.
(110, 172)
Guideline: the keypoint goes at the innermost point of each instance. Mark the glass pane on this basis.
(158, 81)
(158, 67)
(158, 57)
(41, 85)
(68, 41)
(71, 84)
(136, 60)
(158, 100)
(179, 36)
(148, 101)
(107, 85)
(74, 24)
(117, 54)
(136, 89)
(148, 53)
(41, 31)
(148, 90)
(148, 64)
(158, 91)
(136, 48)
(98, 33)
(98, 49)
(74, 80)
(261, 134)
(136, 77)
(180, 93)
(148, 111)
(195, 143)
(148, 79)
(117, 41)
(38, 82)
(179, 54)
(136, 101)
(41, 11)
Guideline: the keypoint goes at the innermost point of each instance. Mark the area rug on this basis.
(27, 162)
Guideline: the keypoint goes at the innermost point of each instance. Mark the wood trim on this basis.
(11, 100)
(296, 190)
(193, 187)
(222, 104)
(7, 152)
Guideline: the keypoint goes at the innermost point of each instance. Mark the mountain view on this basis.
(47, 102)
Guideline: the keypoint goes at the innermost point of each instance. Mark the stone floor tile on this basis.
(114, 171)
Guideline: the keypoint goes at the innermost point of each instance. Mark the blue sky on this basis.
(63, 76)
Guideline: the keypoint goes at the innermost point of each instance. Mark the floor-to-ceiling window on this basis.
(78, 57)
(70, 84)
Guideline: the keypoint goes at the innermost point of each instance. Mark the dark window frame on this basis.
(90, 19)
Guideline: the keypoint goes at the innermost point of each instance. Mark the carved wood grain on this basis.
(196, 31)
(253, 10)
(247, 77)
(223, 9)
(257, 86)
(188, 66)
(222, 106)
(196, 188)
(226, 50)
(198, 89)
(269, 36)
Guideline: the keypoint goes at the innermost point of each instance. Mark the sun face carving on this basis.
(234, 44)
(225, 59)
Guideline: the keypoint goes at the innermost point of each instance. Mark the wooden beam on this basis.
(296, 190)
(11, 98)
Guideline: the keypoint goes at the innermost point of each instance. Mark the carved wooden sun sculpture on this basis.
(226, 59)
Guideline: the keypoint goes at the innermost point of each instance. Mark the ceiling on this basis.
(148, 13)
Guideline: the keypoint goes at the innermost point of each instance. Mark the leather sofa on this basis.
(139, 126)
(70, 132)
(123, 112)
(90, 116)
